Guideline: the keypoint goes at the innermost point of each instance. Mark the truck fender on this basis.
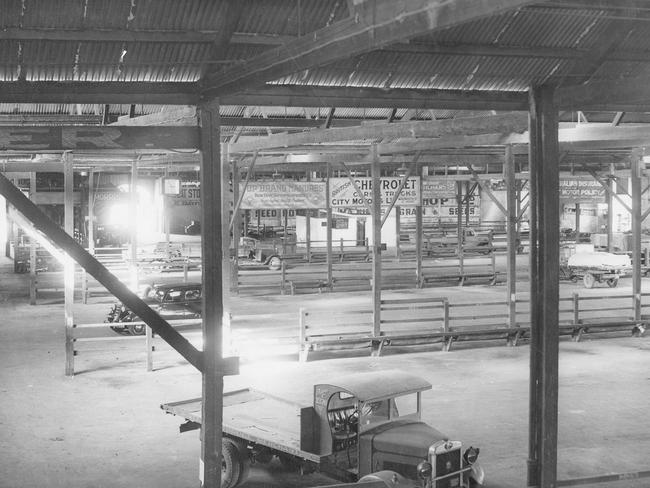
(476, 475)
(390, 478)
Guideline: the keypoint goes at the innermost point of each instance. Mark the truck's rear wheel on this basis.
(231, 464)
(612, 282)
(589, 280)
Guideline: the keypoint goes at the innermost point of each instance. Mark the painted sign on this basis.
(283, 194)
(344, 194)
(189, 195)
(444, 210)
(582, 190)
(432, 190)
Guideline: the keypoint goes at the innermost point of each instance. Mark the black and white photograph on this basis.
(324, 243)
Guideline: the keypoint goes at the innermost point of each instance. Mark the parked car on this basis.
(177, 300)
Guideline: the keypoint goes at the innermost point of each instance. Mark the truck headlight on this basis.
(471, 454)
(424, 470)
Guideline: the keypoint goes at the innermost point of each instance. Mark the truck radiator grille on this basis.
(447, 463)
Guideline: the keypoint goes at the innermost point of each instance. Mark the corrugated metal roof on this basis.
(561, 27)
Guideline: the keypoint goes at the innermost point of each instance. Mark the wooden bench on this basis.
(421, 321)
(315, 283)
(333, 330)
(636, 328)
(492, 277)
(359, 282)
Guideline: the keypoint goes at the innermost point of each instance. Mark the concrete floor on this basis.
(104, 428)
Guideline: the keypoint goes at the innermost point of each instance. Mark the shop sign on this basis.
(189, 195)
(434, 189)
(283, 194)
(583, 190)
(344, 194)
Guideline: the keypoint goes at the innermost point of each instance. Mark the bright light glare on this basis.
(119, 214)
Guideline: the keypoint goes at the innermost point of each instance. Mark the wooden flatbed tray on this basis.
(256, 416)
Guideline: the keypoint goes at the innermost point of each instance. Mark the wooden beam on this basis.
(579, 137)
(496, 50)
(130, 35)
(374, 25)
(185, 93)
(104, 92)
(622, 93)
(61, 239)
(313, 96)
(177, 116)
(58, 138)
(508, 122)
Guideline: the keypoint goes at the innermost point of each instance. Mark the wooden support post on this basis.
(397, 231)
(577, 222)
(511, 232)
(418, 245)
(68, 265)
(91, 229)
(576, 308)
(229, 272)
(236, 226)
(376, 242)
(459, 228)
(445, 314)
(133, 210)
(636, 161)
(610, 211)
(148, 342)
(467, 197)
(308, 223)
(544, 288)
(302, 335)
(329, 224)
(32, 246)
(212, 243)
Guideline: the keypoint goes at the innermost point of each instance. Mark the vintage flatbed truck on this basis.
(365, 426)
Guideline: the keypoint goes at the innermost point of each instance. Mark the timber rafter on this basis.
(373, 25)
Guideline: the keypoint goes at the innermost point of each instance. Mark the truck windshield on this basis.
(392, 408)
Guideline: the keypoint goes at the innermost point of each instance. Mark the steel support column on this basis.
(544, 288)
(211, 244)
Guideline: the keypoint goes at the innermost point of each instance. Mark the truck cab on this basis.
(371, 424)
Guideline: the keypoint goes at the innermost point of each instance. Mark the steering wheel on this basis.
(352, 422)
